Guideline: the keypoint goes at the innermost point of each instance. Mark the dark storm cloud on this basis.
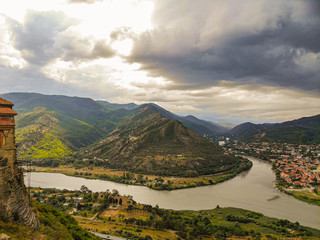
(257, 42)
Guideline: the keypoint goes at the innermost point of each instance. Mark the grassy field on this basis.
(306, 195)
(247, 224)
(122, 229)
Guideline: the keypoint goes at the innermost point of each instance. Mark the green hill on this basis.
(56, 126)
(148, 143)
(301, 131)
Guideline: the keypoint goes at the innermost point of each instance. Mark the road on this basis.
(105, 236)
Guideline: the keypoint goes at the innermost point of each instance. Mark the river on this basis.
(253, 190)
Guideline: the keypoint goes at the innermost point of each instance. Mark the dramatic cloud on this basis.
(9, 56)
(75, 47)
(250, 42)
(36, 37)
(27, 48)
(45, 36)
(220, 60)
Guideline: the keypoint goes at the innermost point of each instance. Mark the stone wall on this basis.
(14, 199)
(8, 148)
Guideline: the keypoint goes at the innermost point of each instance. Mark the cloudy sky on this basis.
(249, 60)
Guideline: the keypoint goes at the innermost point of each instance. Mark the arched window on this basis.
(1, 138)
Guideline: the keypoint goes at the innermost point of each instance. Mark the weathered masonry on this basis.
(14, 200)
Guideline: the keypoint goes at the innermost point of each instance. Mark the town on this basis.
(297, 167)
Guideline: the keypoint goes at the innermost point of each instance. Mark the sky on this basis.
(230, 60)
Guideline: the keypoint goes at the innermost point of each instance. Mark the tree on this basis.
(115, 192)
(120, 201)
(130, 207)
(84, 189)
(140, 178)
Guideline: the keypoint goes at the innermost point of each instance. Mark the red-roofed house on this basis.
(5, 102)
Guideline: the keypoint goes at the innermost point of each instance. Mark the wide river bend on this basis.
(253, 190)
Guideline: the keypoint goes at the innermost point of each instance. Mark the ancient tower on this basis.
(14, 200)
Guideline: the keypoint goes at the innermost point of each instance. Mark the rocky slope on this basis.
(149, 143)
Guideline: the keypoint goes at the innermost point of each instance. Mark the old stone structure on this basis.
(14, 200)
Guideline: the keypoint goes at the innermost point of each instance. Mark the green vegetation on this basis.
(54, 225)
(48, 147)
(109, 213)
(90, 169)
(309, 196)
(301, 131)
(68, 123)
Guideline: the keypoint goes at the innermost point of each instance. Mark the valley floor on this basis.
(151, 181)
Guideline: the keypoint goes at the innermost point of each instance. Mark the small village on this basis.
(296, 165)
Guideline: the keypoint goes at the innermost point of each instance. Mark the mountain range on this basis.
(54, 126)
(305, 130)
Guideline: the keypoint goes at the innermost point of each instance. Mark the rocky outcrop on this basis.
(14, 200)
(4, 236)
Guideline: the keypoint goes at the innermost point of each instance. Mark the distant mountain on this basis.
(301, 131)
(148, 142)
(227, 125)
(55, 126)
(203, 127)
(128, 106)
(199, 126)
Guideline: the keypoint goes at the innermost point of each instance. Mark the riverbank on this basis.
(306, 195)
(151, 181)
